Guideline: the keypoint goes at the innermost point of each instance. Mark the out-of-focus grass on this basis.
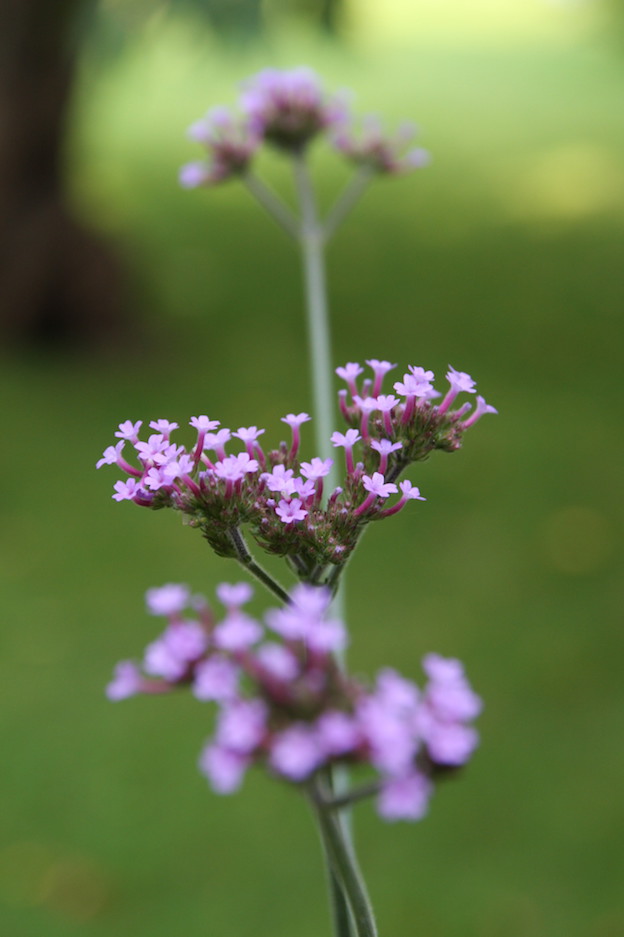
(505, 258)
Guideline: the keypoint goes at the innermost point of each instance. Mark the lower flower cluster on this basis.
(283, 702)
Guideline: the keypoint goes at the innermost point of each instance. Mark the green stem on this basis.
(341, 855)
(272, 204)
(245, 558)
(345, 202)
(311, 240)
(335, 829)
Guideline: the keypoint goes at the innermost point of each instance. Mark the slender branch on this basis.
(352, 796)
(245, 558)
(341, 913)
(344, 863)
(352, 192)
(272, 204)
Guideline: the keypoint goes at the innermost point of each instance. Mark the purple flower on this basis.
(405, 798)
(241, 725)
(203, 423)
(235, 467)
(237, 632)
(389, 733)
(409, 492)
(225, 769)
(378, 486)
(396, 692)
(303, 619)
(111, 454)
(171, 654)
(170, 599)
(278, 661)
(248, 433)
(288, 108)
(280, 479)
(216, 679)
(459, 381)
(348, 440)
(412, 387)
(481, 408)
(337, 733)
(295, 420)
(295, 752)
(231, 144)
(233, 596)
(128, 490)
(378, 151)
(317, 468)
(349, 373)
(448, 702)
(129, 430)
(310, 600)
(164, 427)
(195, 174)
(451, 743)
(384, 447)
(305, 489)
(380, 368)
(127, 681)
(290, 511)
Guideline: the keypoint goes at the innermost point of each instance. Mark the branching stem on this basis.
(245, 558)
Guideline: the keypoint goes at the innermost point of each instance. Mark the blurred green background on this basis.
(504, 258)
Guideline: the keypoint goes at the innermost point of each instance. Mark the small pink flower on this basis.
(481, 408)
(459, 381)
(378, 486)
(296, 419)
(295, 752)
(203, 423)
(405, 798)
(129, 430)
(126, 682)
(290, 511)
(317, 468)
(170, 599)
(233, 596)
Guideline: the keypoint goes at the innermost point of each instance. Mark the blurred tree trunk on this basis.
(58, 282)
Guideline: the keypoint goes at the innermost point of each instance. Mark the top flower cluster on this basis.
(288, 109)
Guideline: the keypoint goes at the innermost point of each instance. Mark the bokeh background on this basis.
(504, 258)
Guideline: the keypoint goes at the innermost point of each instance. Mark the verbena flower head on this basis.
(289, 108)
(381, 152)
(230, 144)
(280, 498)
(283, 703)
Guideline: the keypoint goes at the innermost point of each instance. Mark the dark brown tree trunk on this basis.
(59, 283)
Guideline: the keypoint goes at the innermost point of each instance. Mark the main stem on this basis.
(340, 853)
(312, 238)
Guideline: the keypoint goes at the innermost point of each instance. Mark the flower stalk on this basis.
(285, 700)
(343, 862)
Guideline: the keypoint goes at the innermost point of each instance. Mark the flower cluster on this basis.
(287, 110)
(278, 496)
(380, 152)
(231, 143)
(283, 702)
